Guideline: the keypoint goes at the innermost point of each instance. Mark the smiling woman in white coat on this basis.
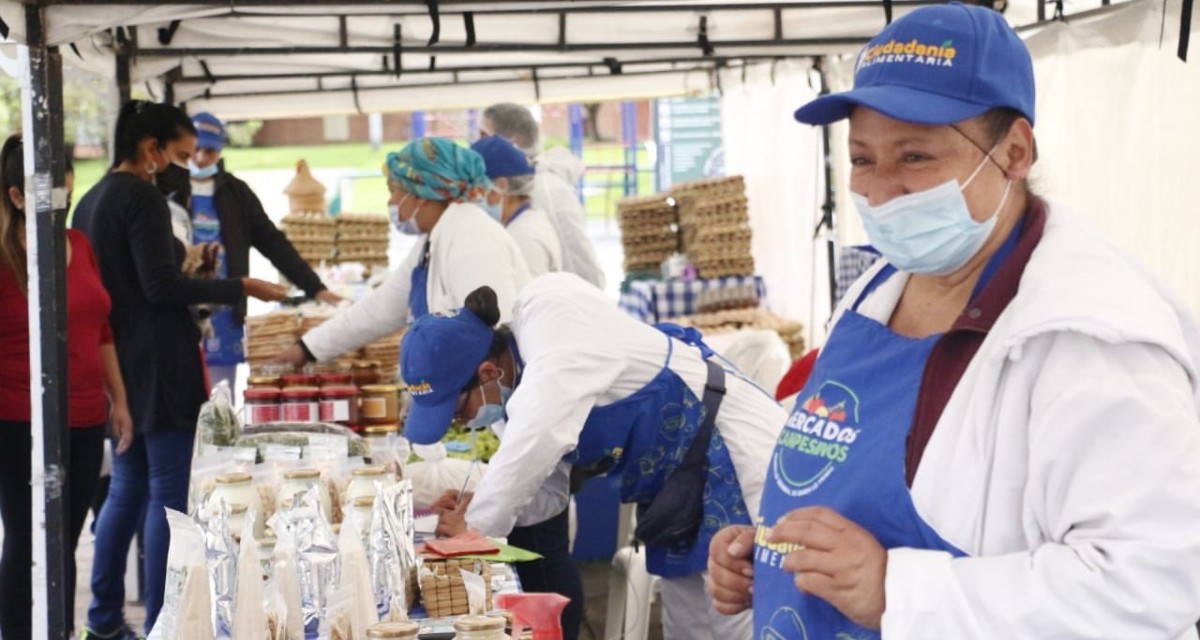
(1000, 437)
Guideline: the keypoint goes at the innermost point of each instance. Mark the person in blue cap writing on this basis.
(574, 379)
(509, 201)
(435, 187)
(1000, 438)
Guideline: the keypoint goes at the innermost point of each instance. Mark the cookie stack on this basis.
(648, 232)
(442, 589)
(717, 322)
(714, 221)
(269, 335)
(362, 238)
(313, 233)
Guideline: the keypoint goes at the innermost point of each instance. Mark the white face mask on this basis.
(929, 232)
(407, 227)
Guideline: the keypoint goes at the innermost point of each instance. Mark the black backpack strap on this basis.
(714, 394)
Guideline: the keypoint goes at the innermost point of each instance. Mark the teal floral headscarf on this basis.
(438, 169)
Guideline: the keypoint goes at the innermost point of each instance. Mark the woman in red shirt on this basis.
(95, 391)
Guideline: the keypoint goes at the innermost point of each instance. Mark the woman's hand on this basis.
(263, 290)
(452, 517)
(840, 562)
(329, 297)
(121, 422)
(730, 569)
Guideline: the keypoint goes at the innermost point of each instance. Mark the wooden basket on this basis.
(442, 588)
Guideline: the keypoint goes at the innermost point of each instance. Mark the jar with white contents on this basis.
(479, 628)
(298, 481)
(406, 630)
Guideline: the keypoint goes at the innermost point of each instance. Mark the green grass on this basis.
(603, 187)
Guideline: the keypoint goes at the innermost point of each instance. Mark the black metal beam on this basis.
(46, 237)
(205, 79)
(704, 68)
(443, 49)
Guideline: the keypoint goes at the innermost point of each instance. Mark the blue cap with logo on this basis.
(502, 158)
(936, 65)
(210, 131)
(439, 355)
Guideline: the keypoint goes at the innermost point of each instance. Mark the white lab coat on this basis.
(538, 242)
(1066, 464)
(561, 203)
(468, 249)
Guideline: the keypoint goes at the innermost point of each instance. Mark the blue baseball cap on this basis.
(936, 65)
(210, 131)
(439, 355)
(502, 158)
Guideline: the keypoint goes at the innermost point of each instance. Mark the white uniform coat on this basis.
(468, 249)
(582, 352)
(538, 241)
(1066, 464)
(561, 203)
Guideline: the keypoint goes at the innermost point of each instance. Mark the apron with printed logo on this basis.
(645, 437)
(843, 447)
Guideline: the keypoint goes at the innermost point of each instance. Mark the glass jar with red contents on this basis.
(299, 404)
(262, 405)
(339, 404)
(291, 380)
(338, 379)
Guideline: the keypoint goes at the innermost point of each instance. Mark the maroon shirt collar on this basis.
(983, 311)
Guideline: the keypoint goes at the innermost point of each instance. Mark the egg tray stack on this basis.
(314, 235)
(442, 588)
(313, 316)
(714, 222)
(362, 238)
(385, 351)
(790, 331)
(269, 335)
(647, 232)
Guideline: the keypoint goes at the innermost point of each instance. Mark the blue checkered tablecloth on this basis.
(852, 263)
(658, 301)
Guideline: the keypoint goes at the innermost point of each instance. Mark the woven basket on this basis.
(442, 588)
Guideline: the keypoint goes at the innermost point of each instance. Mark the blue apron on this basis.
(225, 346)
(418, 298)
(844, 447)
(645, 436)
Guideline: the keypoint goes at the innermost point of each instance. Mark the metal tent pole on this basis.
(45, 233)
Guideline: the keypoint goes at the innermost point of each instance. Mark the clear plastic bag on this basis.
(249, 612)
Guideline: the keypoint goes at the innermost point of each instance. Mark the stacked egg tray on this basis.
(790, 331)
(385, 351)
(647, 232)
(362, 238)
(313, 234)
(714, 221)
(269, 335)
(442, 588)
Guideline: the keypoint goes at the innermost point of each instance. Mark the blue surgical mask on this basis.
(407, 227)
(490, 413)
(496, 211)
(207, 172)
(930, 232)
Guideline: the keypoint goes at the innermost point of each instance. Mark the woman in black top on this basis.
(128, 222)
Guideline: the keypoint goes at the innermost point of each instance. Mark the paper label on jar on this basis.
(335, 410)
(262, 413)
(374, 408)
(300, 411)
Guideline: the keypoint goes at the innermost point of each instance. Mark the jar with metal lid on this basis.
(264, 382)
(382, 449)
(365, 372)
(237, 490)
(364, 508)
(299, 404)
(298, 481)
(363, 479)
(406, 630)
(237, 521)
(273, 369)
(338, 379)
(340, 405)
(300, 380)
(380, 404)
(479, 628)
(262, 405)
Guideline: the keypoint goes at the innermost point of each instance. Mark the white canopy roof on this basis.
(257, 58)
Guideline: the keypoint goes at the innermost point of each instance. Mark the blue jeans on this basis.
(152, 475)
